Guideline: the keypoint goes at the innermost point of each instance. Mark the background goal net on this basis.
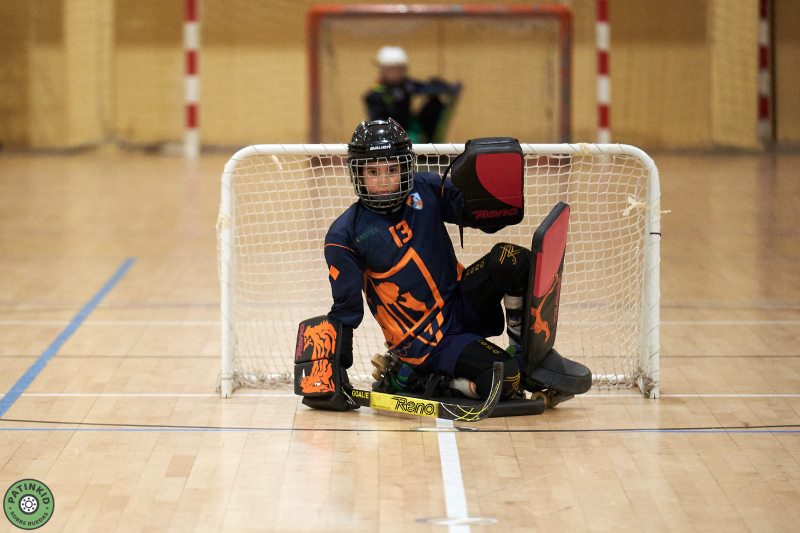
(279, 200)
(513, 62)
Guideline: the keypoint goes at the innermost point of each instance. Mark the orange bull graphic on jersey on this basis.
(407, 304)
(321, 339)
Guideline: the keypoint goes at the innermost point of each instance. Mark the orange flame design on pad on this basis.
(322, 339)
(539, 324)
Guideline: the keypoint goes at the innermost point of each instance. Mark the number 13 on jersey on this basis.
(401, 233)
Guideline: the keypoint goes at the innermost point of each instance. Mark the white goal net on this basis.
(279, 200)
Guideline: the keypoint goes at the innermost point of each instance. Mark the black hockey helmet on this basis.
(381, 141)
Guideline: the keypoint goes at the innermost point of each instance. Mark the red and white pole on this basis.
(603, 38)
(191, 45)
(764, 73)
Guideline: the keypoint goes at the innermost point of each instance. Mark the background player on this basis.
(393, 244)
(393, 94)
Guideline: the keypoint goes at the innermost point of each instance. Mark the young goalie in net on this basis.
(436, 316)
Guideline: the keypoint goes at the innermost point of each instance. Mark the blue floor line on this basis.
(27, 378)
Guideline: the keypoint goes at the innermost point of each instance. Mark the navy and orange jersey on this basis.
(405, 264)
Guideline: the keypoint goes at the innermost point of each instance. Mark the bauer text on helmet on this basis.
(392, 56)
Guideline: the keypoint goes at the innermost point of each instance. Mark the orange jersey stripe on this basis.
(340, 246)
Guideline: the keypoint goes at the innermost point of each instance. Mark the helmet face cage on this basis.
(394, 179)
(381, 151)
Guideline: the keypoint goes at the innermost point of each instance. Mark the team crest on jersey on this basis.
(414, 200)
(406, 302)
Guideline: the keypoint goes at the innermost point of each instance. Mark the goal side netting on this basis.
(279, 200)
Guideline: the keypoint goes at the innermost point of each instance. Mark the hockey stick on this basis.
(398, 403)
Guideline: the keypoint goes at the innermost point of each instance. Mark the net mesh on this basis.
(283, 204)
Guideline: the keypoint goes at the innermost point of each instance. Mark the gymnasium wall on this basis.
(84, 72)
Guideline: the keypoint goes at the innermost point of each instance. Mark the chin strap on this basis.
(385, 210)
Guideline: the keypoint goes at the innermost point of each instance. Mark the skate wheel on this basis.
(380, 362)
(541, 395)
(559, 397)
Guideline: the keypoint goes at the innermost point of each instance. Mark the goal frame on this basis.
(562, 14)
(649, 340)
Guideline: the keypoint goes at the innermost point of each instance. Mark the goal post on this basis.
(514, 62)
(277, 202)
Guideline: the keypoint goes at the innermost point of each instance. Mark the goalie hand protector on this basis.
(319, 375)
(490, 175)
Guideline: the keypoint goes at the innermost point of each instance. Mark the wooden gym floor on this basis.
(108, 273)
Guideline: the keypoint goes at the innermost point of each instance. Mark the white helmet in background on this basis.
(392, 56)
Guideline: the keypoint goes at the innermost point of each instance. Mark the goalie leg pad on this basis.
(544, 287)
(544, 367)
(319, 376)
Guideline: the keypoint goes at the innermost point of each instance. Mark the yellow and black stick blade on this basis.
(474, 413)
(465, 412)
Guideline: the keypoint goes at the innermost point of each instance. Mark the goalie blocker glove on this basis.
(324, 350)
(490, 175)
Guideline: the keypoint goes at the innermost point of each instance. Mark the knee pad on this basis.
(476, 361)
(511, 380)
(503, 270)
(510, 264)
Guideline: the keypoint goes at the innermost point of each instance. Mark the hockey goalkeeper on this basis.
(393, 245)
(392, 97)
